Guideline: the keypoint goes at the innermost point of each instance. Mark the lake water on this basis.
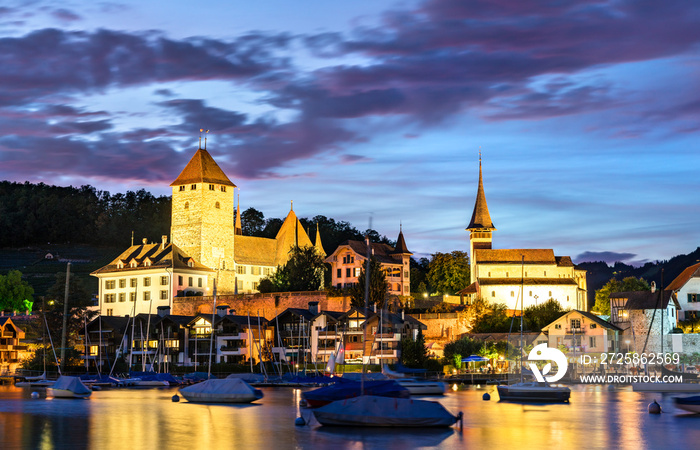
(148, 419)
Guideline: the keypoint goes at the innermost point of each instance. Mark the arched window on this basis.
(187, 205)
(493, 293)
(217, 205)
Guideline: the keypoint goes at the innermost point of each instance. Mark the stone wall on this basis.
(444, 326)
(265, 305)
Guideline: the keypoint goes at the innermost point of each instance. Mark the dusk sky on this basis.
(587, 113)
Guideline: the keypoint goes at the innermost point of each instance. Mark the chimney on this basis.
(653, 287)
(163, 311)
(232, 312)
(221, 310)
(144, 241)
(313, 307)
(164, 241)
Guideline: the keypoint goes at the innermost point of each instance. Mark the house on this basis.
(644, 313)
(582, 332)
(10, 345)
(326, 335)
(105, 341)
(147, 276)
(350, 257)
(509, 275)
(292, 334)
(686, 289)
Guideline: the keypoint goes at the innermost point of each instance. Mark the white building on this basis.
(686, 286)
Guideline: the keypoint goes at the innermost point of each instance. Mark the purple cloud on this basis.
(65, 15)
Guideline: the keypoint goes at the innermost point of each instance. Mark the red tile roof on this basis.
(687, 274)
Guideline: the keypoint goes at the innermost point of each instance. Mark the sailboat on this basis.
(373, 411)
(68, 387)
(532, 391)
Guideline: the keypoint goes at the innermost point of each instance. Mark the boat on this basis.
(691, 404)
(68, 387)
(343, 390)
(423, 387)
(665, 387)
(38, 383)
(374, 411)
(226, 390)
(534, 392)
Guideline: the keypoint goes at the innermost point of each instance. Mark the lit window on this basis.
(193, 187)
(122, 283)
(133, 282)
(187, 205)
(147, 281)
(147, 295)
(164, 281)
(163, 295)
(217, 205)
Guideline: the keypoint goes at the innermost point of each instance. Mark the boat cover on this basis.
(72, 384)
(373, 411)
(349, 389)
(227, 390)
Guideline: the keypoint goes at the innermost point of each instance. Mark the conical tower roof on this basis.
(291, 234)
(401, 247)
(481, 219)
(238, 227)
(202, 169)
(317, 243)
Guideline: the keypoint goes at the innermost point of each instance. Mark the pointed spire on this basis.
(401, 248)
(481, 219)
(202, 169)
(317, 243)
(238, 226)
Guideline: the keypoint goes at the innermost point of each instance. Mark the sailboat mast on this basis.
(522, 291)
(211, 335)
(364, 331)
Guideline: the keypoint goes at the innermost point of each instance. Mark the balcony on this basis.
(5, 347)
(388, 336)
(233, 335)
(233, 350)
(576, 330)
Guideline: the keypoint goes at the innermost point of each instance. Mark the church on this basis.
(206, 243)
(518, 278)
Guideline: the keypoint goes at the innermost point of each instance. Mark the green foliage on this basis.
(252, 222)
(414, 353)
(378, 286)
(602, 295)
(442, 307)
(449, 272)
(462, 347)
(539, 316)
(457, 361)
(302, 272)
(494, 320)
(419, 275)
(15, 293)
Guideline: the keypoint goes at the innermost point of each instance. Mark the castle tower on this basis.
(401, 251)
(480, 227)
(202, 213)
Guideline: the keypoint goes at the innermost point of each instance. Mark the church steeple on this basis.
(480, 227)
(238, 226)
(481, 219)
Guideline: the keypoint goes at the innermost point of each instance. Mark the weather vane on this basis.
(201, 130)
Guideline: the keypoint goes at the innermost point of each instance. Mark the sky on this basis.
(586, 113)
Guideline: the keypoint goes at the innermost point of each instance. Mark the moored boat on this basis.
(423, 387)
(534, 392)
(691, 404)
(227, 390)
(342, 390)
(374, 411)
(68, 387)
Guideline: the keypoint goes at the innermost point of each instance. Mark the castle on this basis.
(205, 245)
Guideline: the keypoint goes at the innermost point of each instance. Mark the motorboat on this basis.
(423, 387)
(690, 404)
(374, 411)
(226, 390)
(534, 392)
(342, 390)
(68, 387)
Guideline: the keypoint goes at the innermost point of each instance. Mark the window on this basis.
(122, 283)
(348, 272)
(164, 281)
(557, 326)
(550, 294)
(267, 271)
(506, 274)
(122, 297)
(594, 326)
(223, 188)
(693, 298)
(545, 273)
(530, 293)
(591, 341)
(493, 293)
(193, 187)
(512, 293)
(179, 280)
(147, 263)
(525, 274)
(211, 187)
(567, 298)
(147, 295)
(182, 188)
(357, 271)
(133, 282)
(576, 324)
(255, 270)
(109, 298)
(217, 205)
(239, 284)
(255, 285)
(163, 295)
(109, 284)
(199, 282)
(189, 281)
(489, 274)
(348, 259)
(132, 296)
(147, 281)
(110, 311)
(187, 205)
(240, 270)
(339, 273)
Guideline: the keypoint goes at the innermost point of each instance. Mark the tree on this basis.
(449, 272)
(537, 317)
(378, 286)
(628, 284)
(419, 275)
(464, 347)
(302, 272)
(494, 320)
(413, 352)
(15, 293)
(252, 222)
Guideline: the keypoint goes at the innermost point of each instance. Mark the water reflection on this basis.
(135, 419)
